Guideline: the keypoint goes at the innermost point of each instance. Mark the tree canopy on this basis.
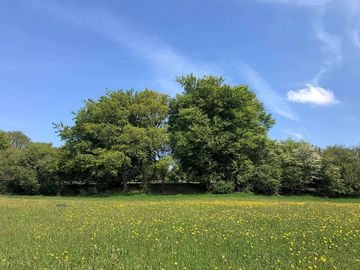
(212, 134)
(116, 138)
(217, 131)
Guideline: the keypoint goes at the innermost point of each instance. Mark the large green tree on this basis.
(217, 131)
(116, 138)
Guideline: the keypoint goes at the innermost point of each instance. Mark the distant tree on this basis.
(301, 167)
(356, 150)
(43, 159)
(14, 176)
(217, 131)
(331, 182)
(341, 172)
(351, 177)
(117, 138)
(4, 140)
(163, 168)
(30, 170)
(18, 139)
(267, 174)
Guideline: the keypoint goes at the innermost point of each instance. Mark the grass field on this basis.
(179, 232)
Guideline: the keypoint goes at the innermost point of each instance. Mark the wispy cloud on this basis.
(312, 94)
(331, 46)
(354, 23)
(299, 2)
(294, 135)
(331, 43)
(267, 94)
(166, 62)
(352, 119)
(9, 123)
(356, 37)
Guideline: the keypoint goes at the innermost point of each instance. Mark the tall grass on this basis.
(179, 232)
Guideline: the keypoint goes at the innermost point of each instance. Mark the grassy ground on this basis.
(236, 231)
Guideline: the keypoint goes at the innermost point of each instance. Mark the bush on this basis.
(340, 172)
(351, 175)
(301, 167)
(222, 187)
(18, 180)
(267, 179)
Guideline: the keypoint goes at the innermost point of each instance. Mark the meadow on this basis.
(179, 232)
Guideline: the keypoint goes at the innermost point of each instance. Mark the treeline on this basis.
(212, 133)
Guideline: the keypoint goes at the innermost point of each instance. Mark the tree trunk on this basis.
(162, 175)
(125, 186)
(123, 174)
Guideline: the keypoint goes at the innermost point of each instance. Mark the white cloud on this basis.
(162, 58)
(266, 93)
(331, 44)
(299, 2)
(313, 94)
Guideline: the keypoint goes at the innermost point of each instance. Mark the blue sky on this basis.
(302, 58)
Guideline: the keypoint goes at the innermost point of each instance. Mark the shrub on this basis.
(267, 179)
(222, 187)
(18, 180)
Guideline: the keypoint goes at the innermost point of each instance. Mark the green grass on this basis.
(237, 231)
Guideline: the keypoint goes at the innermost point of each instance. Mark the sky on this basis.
(301, 57)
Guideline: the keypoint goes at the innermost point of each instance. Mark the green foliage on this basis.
(118, 138)
(211, 133)
(18, 139)
(14, 139)
(341, 172)
(266, 178)
(163, 168)
(28, 168)
(331, 183)
(221, 187)
(215, 129)
(43, 160)
(4, 140)
(14, 176)
(351, 176)
(301, 167)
